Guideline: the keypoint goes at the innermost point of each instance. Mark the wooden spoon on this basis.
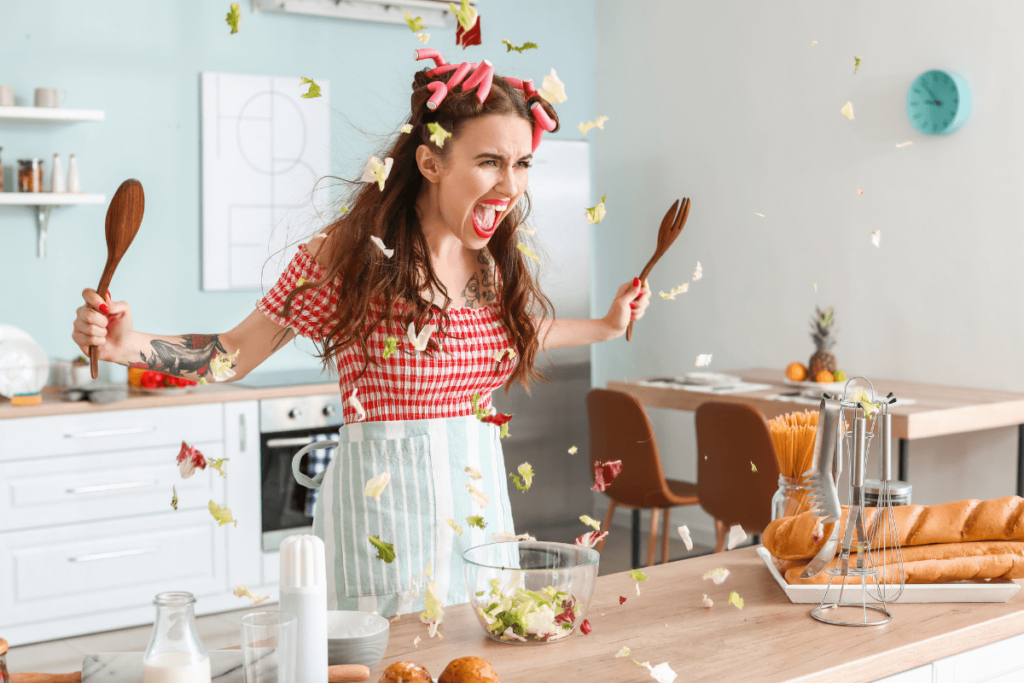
(671, 225)
(124, 216)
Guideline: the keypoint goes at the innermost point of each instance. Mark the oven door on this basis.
(287, 505)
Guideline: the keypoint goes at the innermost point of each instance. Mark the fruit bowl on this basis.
(530, 592)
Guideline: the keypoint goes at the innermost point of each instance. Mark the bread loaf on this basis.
(999, 519)
(921, 563)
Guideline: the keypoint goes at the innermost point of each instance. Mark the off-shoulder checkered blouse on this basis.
(409, 385)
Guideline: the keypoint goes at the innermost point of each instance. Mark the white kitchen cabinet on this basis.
(999, 662)
(89, 536)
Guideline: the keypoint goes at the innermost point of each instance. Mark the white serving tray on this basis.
(991, 590)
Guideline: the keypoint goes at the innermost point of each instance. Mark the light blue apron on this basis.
(427, 460)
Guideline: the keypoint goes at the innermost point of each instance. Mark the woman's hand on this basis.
(106, 325)
(629, 304)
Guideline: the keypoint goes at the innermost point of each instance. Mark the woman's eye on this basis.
(525, 164)
(492, 162)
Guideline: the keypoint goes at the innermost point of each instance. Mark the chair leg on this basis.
(634, 540)
(664, 536)
(653, 541)
(720, 534)
(607, 526)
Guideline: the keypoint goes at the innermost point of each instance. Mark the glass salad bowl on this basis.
(530, 592)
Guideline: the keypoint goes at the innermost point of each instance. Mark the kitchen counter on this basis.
(54, 403)
(770, 639)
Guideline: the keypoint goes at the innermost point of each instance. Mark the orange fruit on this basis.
(135, 376)
(824, 377)
(796, 372)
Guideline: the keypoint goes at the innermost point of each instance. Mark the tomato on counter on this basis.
(150, 379)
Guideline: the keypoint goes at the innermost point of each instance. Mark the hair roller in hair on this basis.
(484, 88)
(477, 76)
(430, 53)
(528, 88)
(515, 83)
(438, 70)
(460, 73)
(542, 123)
(440, 91)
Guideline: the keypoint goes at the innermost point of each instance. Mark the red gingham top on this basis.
(410, 384)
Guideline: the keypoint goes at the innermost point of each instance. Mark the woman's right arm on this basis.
(108, 326)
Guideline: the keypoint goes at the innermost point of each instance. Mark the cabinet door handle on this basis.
(117, 553)
(110, 432)
(112, 487)
(241, 432)
(290, 441)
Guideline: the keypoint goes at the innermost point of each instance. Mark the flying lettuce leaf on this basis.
(590, 521)
(233, 17)
(390, 346)
(735, 599)
(222, 515)
(375, 486)
(466, 15)
(526, 250)
(218, 464)
(526, 471)
(597, 123)
(385, 551)
(455, 527)
(524, 46)
(415, 23)
(596, 214)
(477, 521)
(314, 89)
(438, 134)
(242, 591)
(174, 497)
(552, 89)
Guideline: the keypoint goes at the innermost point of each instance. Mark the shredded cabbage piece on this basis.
(526, 471)
(596, 214)
(221, 366)
(474, 473)
(590, 521)
(242, 591)
(552, 89)
(455, 527)
(684, 533)
(479, 497)
(596, 123)
(222, 515)
(234, 16)
(376, 485)
(717, 575)
(735, 599)
(385, 551)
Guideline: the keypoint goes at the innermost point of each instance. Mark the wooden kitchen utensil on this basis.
(671, 225)
(124, 216)
(338, 673)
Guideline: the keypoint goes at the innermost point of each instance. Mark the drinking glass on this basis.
(268, 647)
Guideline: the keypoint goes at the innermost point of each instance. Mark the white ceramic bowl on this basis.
(356, 638)
(24, 367)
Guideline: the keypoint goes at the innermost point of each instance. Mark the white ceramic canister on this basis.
(304, 593)
(57, 175)
(74, 184)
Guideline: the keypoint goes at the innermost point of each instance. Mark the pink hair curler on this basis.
(542, 122)
(438, 70)
(477, 76)
(515, 83)
(459, 74)
(440, 91)
(430, 53)
(528, 87)
(484, 89)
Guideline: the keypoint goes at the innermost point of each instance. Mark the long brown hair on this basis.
(365, 275)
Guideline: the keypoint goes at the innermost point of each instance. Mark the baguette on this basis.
(936, 564)
(999, 519)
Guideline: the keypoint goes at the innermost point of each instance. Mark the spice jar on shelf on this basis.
(30, 175)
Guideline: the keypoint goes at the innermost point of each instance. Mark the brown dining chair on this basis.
(621, 430)
(732, 440)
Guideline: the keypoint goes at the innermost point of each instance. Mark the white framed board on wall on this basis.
(264, 149)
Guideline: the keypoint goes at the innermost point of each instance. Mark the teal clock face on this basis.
(938, 102)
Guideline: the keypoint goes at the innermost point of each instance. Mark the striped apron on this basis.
(427, 460)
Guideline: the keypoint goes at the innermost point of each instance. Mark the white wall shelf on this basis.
(49, 198)
(434, 14)
(42, 204)
(51, 114)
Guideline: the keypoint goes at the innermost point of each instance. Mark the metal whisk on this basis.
(885, 536)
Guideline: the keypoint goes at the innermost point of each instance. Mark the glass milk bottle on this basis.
(175, 653)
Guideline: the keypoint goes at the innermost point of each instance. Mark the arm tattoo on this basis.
(191, 355)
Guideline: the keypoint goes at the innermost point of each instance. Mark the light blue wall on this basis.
(140, 62)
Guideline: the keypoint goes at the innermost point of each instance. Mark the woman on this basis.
(451, 211)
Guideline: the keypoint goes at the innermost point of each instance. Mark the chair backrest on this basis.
(621, 430)
(730, 438)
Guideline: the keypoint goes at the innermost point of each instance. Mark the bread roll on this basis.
(405, 672)
(999, 519)
(468, 670)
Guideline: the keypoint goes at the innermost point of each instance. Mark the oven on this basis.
(286, 426)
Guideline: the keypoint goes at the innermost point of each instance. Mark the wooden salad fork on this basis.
(671, 225)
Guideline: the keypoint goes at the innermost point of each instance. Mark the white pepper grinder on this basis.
(303, 586)
(74, 184)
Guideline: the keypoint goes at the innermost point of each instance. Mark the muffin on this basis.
(468, 670)
(405, 672)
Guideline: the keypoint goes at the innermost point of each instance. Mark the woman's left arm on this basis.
(629, 304)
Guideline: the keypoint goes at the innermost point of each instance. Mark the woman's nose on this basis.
(508, 185)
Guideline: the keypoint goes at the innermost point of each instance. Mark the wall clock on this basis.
(938, 102)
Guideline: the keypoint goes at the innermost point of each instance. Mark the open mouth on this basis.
(486, 216)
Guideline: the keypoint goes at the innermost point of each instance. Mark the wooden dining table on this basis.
(936, 410)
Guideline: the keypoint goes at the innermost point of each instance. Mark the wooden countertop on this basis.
(937, 410)
(54, 403)
(770, 639)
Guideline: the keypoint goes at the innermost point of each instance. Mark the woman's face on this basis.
(483, 176)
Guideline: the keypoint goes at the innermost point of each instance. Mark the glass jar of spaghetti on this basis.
(791, 498)
(30, 175)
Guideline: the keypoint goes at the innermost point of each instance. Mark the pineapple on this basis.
(821, 333)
